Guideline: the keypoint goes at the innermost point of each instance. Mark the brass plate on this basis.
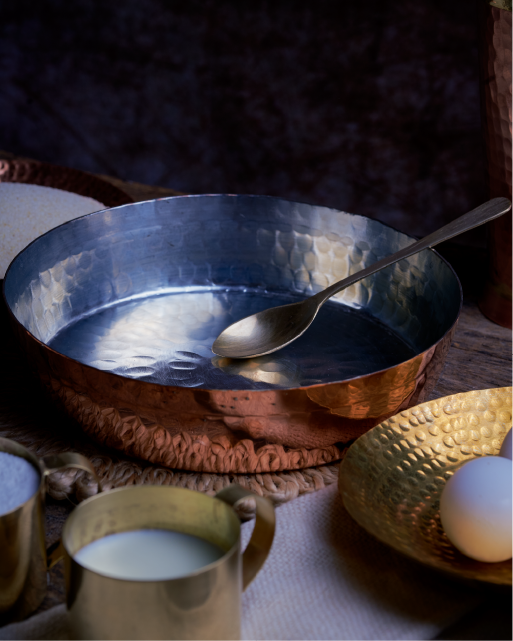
(392, 477)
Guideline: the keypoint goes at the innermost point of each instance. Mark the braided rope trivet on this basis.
(115, 470)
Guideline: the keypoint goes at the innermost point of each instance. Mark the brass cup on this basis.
(205, 604)
(23, 557)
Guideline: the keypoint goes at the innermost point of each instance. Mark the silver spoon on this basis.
(274, 328)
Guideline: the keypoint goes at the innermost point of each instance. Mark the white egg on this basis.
(475, 509)
(507, 446)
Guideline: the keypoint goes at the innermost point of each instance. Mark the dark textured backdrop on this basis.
(369, 107)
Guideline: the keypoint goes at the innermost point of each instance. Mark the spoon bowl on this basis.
(274, 328)
(267, 331)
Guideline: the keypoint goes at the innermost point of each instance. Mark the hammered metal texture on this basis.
(392, 477)
(48, 175)
(137, 294)
(495, 82)
(168, 340)
(500, 4)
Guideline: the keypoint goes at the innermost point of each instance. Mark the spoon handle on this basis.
(478, 216)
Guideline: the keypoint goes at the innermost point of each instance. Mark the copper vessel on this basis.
(117, 311)
(495, 83)
(46, 174)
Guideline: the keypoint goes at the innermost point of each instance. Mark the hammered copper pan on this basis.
(117, 311)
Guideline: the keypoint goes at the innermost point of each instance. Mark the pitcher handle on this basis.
(261, 540)
(56, 462)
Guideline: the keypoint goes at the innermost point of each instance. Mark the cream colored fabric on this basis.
(325, 578)
(51, 624)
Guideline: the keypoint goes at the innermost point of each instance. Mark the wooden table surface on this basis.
(479, 358)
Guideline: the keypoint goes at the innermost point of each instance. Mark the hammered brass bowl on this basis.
(392, 477)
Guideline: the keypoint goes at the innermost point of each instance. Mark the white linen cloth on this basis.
(325, 578)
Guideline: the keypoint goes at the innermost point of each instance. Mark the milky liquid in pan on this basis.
(166, 339)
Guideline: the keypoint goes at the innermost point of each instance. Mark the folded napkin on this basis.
(325, 578)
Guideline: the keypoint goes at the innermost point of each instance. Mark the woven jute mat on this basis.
(44, 431)
(28, 417)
